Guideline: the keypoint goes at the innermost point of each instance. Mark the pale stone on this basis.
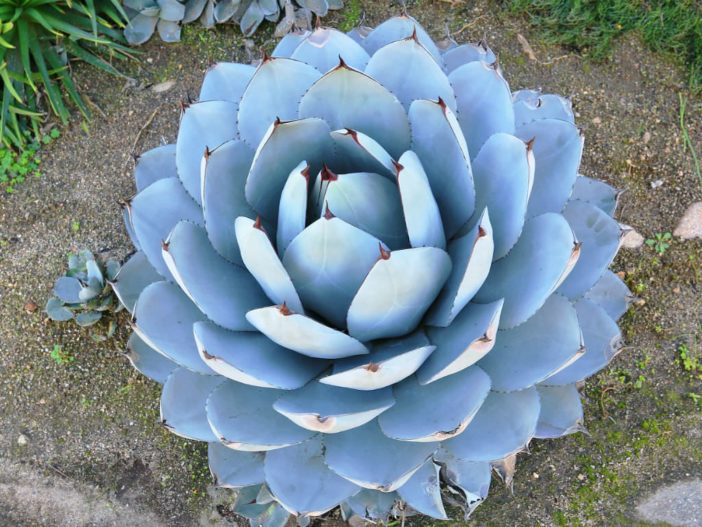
(690, 225)
(630, 239)
(679, 504)
(163, 87)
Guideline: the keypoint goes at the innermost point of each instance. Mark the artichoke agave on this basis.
(367, 267)
(168, 16)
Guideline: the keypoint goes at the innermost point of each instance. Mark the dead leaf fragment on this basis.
(526, 47)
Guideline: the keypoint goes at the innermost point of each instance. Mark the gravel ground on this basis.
(80, 442)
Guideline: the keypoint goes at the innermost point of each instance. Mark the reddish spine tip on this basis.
(277, 121)
(414, 34)
(327, 213)
(481, 232)
(184, 105)
(372, 367)
(530, 144)
(495, 64)
(306, 173)
(385, 255)
(342, 64)
(284, 310)
(266, 57)
(207, 153)
(257, 224)
(164, 245)
(398, 167)
(442, 103)
(328, 175)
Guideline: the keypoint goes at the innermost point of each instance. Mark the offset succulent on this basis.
(365, 268)
(168, 16)
(83, 294)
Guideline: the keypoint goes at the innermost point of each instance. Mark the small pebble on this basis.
(30, 307)
(163, 87)
(657, 183)
(22, 440)
(596, 120)
(631, 239)
(690, 225)
(646, 137)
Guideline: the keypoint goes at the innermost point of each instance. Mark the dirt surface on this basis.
(80, 442)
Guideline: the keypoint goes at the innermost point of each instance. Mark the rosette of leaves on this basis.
(168, 16)
(37, 39)
(83, 294)
(367, 267)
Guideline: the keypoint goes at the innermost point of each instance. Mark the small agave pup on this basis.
(384, 273)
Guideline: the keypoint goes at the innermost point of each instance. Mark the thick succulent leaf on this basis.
(164, 318)
(598, 193)
(436, 411)
(225, 9)
(420, 76)
(223, 200)
(140, 28)
(204, 126)
(129, 227)
(599, 235)
(155, 211)
(223, 291)
(530, 105)
(318, 7)
(468, 479)
(371, 203)
(232, 468)
(503, 172)
(226, 81)
(505, 424)
(155, 164)
(372, 504)
(611, 294)
(273, 515)
(247, 502)
(287, 45)
(263, 263)
(251, 358)
(193, 9)
(397, 292)
(463, 343)
(56, 310)
(398, 28)
(372, 460)
(561, 411)
(557, 148)
(422, 491)
(438, 141)
(169, 31)
(422, 215)
(357, 152)
(251, 19)
(148, 361)
(68, 289)
(602, 342)
(471, 255)
(292, 212)
(183, 403)
(282, 149)
(303, 334)
(328, 262)
(484, 103)
(243, 418)
(385, 120)
(389, 362)
(538, 263)
(132, 278)
(465, 53)
(531, 352)
(273, 93)
(330, 409)
(302, 483)
(325, 46)
(171, 10)
(88, 318)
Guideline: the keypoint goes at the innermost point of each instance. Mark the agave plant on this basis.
(365, 268)
(83, 294)
(168, 16)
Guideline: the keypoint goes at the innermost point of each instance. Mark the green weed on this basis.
(591, 26)
(352, 16)
(60, 356)
(687, 143)
(660, 242)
